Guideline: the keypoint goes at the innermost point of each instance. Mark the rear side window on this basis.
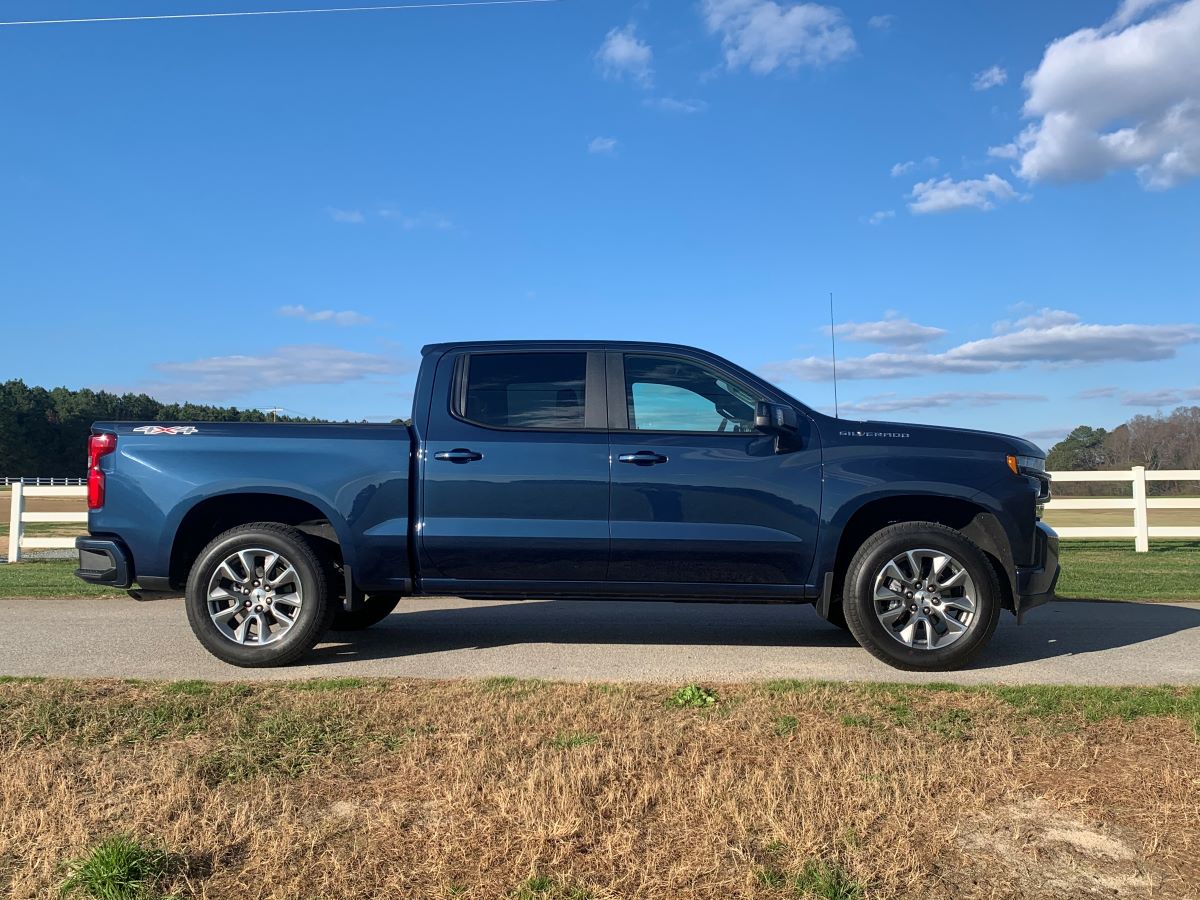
(526, 390)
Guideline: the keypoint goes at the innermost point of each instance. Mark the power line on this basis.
(280, 12)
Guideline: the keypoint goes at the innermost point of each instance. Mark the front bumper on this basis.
(104, 561)
(1035, 584)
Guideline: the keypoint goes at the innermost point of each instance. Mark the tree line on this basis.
(1162, 441)
(43, 433)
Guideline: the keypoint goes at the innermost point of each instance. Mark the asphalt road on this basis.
(447, 637)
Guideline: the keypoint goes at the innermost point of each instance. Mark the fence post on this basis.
(1141, 515)
(14, 522)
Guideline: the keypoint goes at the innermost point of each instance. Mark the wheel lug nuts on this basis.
(909, 595)
(247, 604)
(913, 608)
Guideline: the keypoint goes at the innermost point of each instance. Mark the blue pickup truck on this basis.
(583, 469)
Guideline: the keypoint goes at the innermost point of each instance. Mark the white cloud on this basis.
(1042, 318)
(764, 35)
(945, 194)
(887, 403)
(903, 168)
(602, 145)
(989, 78)
(346, 216)
(410, 221)
(1069, 343)
(1097, 393)
(624, 55)
(217, 377)
(880, 216)
(892, 331)
(1005, 151)
(883, 22)
(1163, 397)
(673, 105)
(1123, 96)
(343, 317)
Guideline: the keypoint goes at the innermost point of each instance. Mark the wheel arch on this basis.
(213, 514)
(974, 521)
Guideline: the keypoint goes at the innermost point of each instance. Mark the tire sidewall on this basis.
(859, 603)
(312, 619)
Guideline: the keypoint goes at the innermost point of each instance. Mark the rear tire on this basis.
(921, 597)
(375, 608)
(257, 597)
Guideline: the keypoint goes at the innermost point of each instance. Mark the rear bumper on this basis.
(1035, 584)
(104, 561)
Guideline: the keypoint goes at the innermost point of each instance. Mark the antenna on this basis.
(833, 352)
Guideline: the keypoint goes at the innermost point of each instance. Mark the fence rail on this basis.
(18, 518)
(1141, 530)
(5, 481)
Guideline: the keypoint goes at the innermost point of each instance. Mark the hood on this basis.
(903, 434)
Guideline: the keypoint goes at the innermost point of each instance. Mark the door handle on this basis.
(642, 458)
(458, 455)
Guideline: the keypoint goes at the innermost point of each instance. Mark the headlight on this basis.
(1026, 465)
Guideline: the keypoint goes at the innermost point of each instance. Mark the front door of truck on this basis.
(515, 471)
(698, 495)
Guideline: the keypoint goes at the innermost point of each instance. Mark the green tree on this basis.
(1081, 450)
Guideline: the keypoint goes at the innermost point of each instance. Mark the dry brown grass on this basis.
(425, 789)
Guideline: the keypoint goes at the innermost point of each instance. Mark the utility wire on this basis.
(279, 12)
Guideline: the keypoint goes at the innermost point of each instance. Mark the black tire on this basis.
(311, 620)
(375, 609)
(859, 604)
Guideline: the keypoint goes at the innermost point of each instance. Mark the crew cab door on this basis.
(515, 471)
(698, 495)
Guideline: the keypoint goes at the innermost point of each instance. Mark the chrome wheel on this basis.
(254, 597)
(925, 599)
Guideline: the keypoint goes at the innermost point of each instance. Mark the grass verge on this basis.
(482, 789)
(1112, 570)
(47, 578)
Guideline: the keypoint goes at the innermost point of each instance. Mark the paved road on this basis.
(446, 637)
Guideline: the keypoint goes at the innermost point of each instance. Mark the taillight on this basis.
(98, 445)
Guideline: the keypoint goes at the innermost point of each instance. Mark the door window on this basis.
(526, 390)
(668, 394)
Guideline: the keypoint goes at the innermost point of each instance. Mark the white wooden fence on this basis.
(1139, 505)
(1141, 530)
(18, 518)
(5, 481)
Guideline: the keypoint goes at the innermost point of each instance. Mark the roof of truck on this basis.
(556, 345)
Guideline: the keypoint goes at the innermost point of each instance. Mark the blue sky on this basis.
(282, 210)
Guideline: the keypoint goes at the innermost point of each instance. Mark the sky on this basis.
(279, 211)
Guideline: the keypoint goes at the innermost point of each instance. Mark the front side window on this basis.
(668, 394)
(526, 390)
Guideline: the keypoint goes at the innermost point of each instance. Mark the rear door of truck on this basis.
(515, 470)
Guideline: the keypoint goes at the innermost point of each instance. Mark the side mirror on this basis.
(775, 418)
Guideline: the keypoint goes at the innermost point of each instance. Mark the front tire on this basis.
(257, 596)
(922, 597)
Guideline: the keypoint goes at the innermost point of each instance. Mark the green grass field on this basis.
(1092, 570)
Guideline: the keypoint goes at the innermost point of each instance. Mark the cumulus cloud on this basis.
(216, 377)
(892, 331)
(763, 35)
(1069, 343)
(989, 78)
(880, 216)
(336, 317)
(882, 23)
(887, 403)
(624, 55)
(673, 105)
(346, 216)
(945, 194)
(602, 145)
(1122, 96)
